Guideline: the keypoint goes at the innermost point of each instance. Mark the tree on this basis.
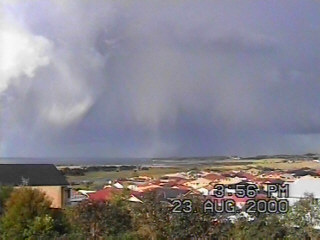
(151, 218)
(5, 192)
(40, 227)
(96, 219)
(265, 226)
(154, 219)
(302, 219)
(27, 215)
(192, 225)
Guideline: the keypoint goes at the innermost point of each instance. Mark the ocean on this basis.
(78, 161)
(113, 161)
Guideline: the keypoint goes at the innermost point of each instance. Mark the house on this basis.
(134, 198)
(214, 177)
(118, 185)
(239, 202)
(208, 190)
(288, 177)
(144, 178)
(271, 174)
(85, 192)
(304, 185)
(105, 194)
(147, 187)
(245, 176)
(303, 172)
(76, 197)
(132, 187)
(45, 177)
(263, 183)
(176, 175)
(170, 193)
(198, 183)
(253, 171)
(231, 181)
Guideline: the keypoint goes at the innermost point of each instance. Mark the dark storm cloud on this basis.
(133, 78)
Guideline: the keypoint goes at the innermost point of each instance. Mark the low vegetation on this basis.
(27, 215)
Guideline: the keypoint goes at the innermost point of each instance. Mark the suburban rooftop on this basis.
(31, 174)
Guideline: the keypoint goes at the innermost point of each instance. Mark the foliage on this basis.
(263, 227)
(151, 218)
(5, 192)
(298, 223)
(302, 219)
(40, 227)
(154, 220)
(195, 224)
(97, 219)
(28, 215)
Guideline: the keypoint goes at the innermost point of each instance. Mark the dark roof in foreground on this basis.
(34, 175)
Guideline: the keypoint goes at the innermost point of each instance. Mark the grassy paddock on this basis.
(284, 165)
(100, 175)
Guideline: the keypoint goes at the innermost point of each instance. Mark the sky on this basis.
(159, 78)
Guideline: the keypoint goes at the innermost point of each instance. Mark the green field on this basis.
(100, 176)
(154, 172)
(284, 165)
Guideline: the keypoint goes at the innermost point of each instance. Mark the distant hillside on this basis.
(308, 156)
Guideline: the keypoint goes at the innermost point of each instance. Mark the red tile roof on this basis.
(181, 187)
(246, 175)
(214, 176)
(104, 194)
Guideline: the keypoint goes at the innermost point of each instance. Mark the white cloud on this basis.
(60, 114)
(21, 53)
